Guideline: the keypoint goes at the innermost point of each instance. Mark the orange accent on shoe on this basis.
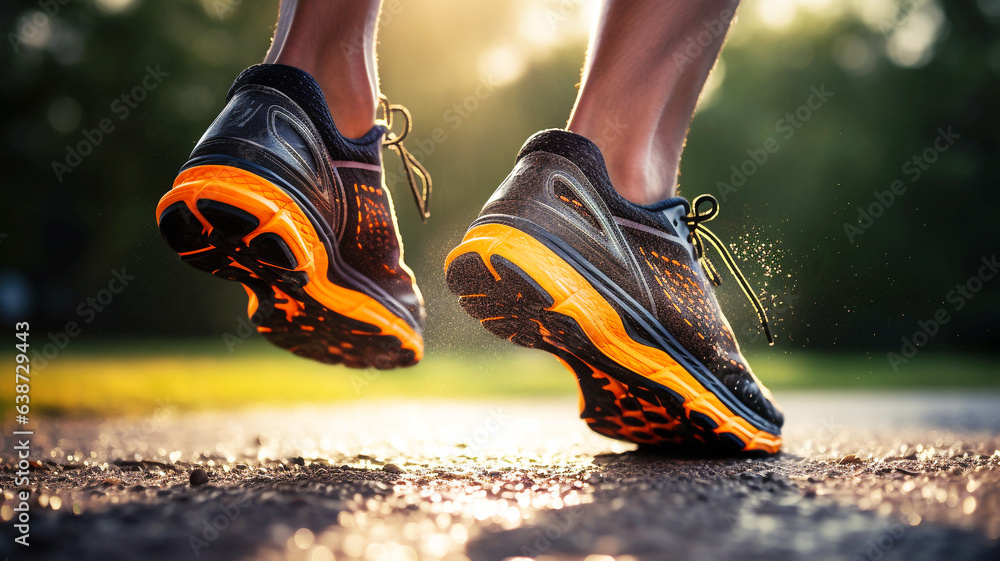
(575, 297)
(278, 213)
(251, 302)
(291, 306)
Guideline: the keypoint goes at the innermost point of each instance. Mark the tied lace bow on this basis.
(696, 236)
(411, 167)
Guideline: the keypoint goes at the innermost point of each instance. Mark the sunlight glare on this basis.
(911, 44)
(821, 7)
(876, 13)
(502, 64)
(114, 6)
(776, 14)
(709, 94)
(537, 27)
(853, 54)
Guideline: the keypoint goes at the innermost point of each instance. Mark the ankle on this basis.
(640, 183)
(335, 43)
(637, 172)
(349, 88)
(353, 109)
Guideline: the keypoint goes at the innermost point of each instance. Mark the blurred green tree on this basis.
(488, 77)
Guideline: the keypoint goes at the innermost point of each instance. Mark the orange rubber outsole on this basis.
(576, 298)
(279, 214)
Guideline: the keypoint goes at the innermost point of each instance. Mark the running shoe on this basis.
(275, 198)
(621, 294)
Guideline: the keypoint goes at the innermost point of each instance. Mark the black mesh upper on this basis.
(303, 90)
(587, 156)
(667, 280)
(356, 206)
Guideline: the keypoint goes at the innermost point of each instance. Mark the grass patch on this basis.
(134, 378)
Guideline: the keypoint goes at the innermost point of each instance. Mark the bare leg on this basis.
(334, 40)
(647, 64)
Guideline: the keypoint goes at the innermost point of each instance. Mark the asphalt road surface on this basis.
(863, 477)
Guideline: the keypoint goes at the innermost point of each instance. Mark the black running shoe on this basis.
(275, 198)
(559, 261)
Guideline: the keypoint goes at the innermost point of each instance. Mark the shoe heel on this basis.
(240, 227)
(216, 216)
(521, 290)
